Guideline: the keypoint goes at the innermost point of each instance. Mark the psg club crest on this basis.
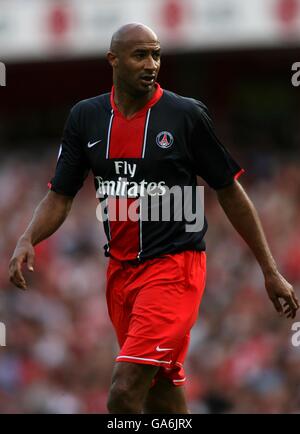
(164, 139)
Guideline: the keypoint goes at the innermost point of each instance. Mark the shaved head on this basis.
(134, 55)
(131, 34)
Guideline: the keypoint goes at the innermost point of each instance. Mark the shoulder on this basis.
(90, 105)
(190, 106)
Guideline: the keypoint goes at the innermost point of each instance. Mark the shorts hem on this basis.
(143, 360)
(160, 363)
(179, 383)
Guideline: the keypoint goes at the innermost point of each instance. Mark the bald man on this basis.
(139, 140)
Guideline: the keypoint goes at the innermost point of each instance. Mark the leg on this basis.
(130, 384)
(166, 398)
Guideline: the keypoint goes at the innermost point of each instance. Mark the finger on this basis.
(295, 299)
(30, 261)
(277, 305)
(290, 301)
(292, 314)
(18, 283)
(288, 307)
(21, 285)
(16, 276)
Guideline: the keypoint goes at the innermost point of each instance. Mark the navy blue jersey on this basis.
(163, 146)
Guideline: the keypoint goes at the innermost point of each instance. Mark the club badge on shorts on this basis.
(164, 139)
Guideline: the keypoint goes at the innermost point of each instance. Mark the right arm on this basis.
(48, 217)
(71, 170)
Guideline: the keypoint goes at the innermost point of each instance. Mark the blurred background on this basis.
(236, 57)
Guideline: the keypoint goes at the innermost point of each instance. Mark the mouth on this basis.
(148, 79)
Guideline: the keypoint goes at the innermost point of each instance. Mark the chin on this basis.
(144, 89)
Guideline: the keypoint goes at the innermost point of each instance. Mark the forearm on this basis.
(47, 218)
(243, 216)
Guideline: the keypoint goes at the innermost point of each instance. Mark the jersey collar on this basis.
(155, 98)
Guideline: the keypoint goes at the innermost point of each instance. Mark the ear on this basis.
(112, 59)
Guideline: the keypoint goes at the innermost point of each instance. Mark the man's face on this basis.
(137, 66)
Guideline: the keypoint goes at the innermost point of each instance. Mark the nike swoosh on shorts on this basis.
(163, 349)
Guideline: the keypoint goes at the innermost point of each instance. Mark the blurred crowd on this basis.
(61, 345)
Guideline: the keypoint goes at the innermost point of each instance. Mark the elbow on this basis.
(60, 202)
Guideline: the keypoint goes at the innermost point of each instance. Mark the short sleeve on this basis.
(210, 159)
(72, 167)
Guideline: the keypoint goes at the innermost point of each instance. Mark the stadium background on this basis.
(60, 343)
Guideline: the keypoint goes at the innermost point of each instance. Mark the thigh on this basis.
(117, 276)
(164, 310)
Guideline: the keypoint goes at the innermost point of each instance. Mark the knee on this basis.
(122, 399)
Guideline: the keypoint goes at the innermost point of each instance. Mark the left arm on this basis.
(244, 218)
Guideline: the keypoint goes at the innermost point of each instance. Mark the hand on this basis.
(278, 288)
(24, 252)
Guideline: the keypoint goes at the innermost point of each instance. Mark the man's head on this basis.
(135, 58)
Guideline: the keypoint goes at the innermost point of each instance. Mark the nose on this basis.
(150, 64)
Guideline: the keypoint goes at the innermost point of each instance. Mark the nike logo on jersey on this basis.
(90, 145)
(163, 349)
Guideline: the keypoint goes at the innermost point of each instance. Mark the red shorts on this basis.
(153, 306)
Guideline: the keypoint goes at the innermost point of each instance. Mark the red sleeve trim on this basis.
(49, 185)
(237, 175)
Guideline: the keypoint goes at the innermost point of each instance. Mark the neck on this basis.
(129, 104)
